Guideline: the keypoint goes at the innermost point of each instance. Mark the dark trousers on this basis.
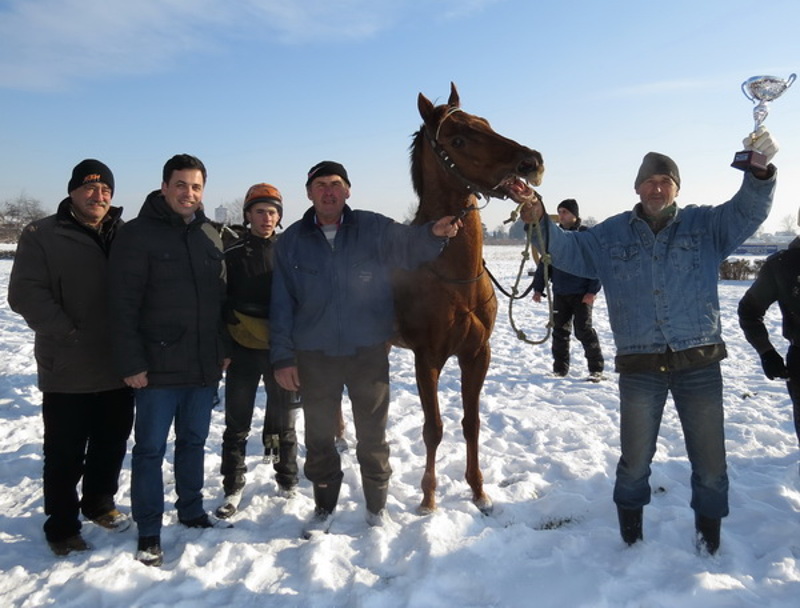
(793, 384)
(323, 380)
(569, 311)
(247, 370)
(85, 436)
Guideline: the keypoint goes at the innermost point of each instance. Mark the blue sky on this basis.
(261, 90)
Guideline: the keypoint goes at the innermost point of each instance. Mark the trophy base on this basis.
(749, 159)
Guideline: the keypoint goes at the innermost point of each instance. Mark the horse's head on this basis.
(469, 149)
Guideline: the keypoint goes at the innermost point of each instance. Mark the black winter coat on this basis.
(777, 281)
(167, 293)
(59, 285)
(249, 269)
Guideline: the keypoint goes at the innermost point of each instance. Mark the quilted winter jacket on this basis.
(339, 300)
(661, 289)
(59, 285)
(167, 291)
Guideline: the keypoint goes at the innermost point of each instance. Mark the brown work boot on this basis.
(115, 520)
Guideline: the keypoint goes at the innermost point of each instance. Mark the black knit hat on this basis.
(90, 171)
(571, 205)
(327, 167)
(657, 164)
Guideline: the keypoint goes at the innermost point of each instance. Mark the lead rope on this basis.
(546, 260)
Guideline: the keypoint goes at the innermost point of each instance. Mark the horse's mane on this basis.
(416, 151)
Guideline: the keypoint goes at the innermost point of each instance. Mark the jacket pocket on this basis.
(626, 262)
(166, 349)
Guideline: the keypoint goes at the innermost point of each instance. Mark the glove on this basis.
(773, 365)
(761, 141)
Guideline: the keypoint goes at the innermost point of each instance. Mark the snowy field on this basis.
(549, 447)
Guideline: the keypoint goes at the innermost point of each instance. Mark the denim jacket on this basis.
(661, 289)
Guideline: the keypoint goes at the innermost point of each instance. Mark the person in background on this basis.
(573, 298)
(778, 281)
(249, 271)
(59, 285)
(659, 265)
(167, 292)
(331, 318)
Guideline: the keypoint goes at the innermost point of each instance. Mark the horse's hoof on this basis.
(424, 511)
(484, 505)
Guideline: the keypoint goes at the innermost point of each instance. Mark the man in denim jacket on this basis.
(658, 264)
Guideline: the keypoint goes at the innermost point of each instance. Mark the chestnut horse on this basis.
(448, 306)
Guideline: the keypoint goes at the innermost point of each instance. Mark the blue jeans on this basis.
(156, 408)
(697, 394)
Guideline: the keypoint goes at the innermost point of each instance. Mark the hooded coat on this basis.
(167, 293)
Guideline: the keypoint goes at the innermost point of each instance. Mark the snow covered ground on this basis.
(549, 447)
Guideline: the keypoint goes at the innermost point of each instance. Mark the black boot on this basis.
(707, 533)
(375, 495)
(325, 498)
(630, 524)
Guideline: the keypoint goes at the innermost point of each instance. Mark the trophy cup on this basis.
(762, 89)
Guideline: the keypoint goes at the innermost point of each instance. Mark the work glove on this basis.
(773, 365)
(760, 140)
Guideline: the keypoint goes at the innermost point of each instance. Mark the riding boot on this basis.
(630, 524)
(708, 532)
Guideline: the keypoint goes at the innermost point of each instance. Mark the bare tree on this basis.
(788, 223)
(18, 213)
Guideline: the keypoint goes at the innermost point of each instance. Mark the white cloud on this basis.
(52, 44)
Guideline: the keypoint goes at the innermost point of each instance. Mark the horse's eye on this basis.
(457, 142)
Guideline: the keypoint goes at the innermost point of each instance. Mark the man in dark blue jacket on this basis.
(573, 298)
(331, 318)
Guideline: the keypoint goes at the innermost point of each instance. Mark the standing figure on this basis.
(573, 298)
(659, 266)
(778, 281)
(170, 344)
(59, 285)
(331, 319)
(249, 271)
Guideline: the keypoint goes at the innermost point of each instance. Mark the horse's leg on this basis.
(427, 387)
(473, 373)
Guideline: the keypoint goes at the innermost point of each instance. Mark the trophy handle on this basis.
(790, 80)
(745, 91)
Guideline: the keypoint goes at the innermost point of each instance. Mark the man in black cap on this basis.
(331, 318)
(59, 285)
(573, 299)
(659, 266)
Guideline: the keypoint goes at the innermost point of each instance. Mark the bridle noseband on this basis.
(450, 166)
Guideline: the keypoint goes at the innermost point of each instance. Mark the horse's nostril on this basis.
(528, 166)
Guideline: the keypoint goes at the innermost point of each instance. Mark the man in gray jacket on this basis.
(59, 285)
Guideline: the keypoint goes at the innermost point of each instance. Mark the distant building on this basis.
(221, 214)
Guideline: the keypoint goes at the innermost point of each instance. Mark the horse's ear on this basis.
(454, 101)
(425, 108)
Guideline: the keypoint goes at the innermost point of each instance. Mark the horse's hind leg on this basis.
(427, 386)
(473, 373)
